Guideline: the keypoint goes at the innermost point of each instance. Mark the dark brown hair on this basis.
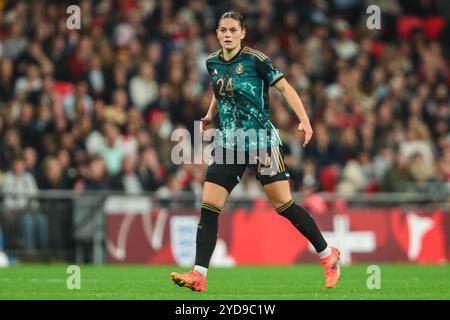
(233, 15)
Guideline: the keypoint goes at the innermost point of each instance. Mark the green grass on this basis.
(248, 282)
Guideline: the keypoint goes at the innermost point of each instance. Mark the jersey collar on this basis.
(234, 57)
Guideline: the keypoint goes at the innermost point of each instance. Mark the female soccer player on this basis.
(241, 78)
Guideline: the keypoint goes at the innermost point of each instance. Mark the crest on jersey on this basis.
(239, 68)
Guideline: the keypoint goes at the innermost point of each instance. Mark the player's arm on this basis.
(294, 101)
(212, 111)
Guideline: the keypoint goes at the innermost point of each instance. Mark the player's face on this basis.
(230, 33)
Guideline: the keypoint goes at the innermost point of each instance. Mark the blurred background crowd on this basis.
(94, 109)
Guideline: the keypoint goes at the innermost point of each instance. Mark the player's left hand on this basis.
(204, 122)
(308, 132)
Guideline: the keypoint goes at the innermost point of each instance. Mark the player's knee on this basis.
(210, 209)
(214, 195)
(283, 208)
(279, 203)
(215, 203)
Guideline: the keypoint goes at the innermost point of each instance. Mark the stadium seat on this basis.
(316, 204)
(434, 26)
(63, 88)
(406, 24)
(328, 178)
(377, 49)
(372, 187)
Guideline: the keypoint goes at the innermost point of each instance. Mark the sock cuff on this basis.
(201, 269)
(211, 207)
(280, 209)
(324, 253)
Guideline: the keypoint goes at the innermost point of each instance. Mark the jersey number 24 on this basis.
(228, 88)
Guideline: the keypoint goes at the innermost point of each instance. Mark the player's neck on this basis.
(229, 54)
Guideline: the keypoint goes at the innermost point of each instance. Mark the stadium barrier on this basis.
(108, 227)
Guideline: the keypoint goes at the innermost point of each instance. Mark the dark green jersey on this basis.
(241, 87)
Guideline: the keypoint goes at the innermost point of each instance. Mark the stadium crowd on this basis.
(94, 108)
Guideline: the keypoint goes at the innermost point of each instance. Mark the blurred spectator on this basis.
(79, 103)
(21, 212)
(324, 150)
(444, 165)
(127, 180)
(381, 163)
(116, 112)
(417, 141)
(15, 41)
(30, 84)
(30, 158)
(52, 176)
(111, 151)
(149, 169)
(6, 79)
(398, 176)
(353, 178)
(170, 189)
(143, 87)
(58, 209)
(97, 77)
(421, 170)
(95, 176)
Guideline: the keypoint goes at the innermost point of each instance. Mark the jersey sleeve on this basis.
(208, 67)
(267, 71)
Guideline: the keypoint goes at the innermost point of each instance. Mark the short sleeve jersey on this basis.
(241, 87)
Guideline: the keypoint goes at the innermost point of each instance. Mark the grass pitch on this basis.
(398, 281)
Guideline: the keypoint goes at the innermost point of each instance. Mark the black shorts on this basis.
(268, 166)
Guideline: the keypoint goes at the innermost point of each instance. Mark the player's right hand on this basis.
(307, 131)
(204, 122)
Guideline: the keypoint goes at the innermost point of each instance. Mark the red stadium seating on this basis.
(406, 24)
(328, 178)
(432, 26)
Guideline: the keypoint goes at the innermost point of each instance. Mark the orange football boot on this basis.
(331, 266)
(194, 280)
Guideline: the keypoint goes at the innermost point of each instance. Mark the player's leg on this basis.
(214, 197)
(213, 200)
(274, 178)
(279, 195)
(220, 181)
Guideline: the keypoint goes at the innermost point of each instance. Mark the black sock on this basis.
(206, 234)
(303, 221)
